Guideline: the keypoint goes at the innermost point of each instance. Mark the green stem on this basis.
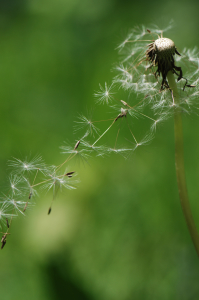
(179, 163)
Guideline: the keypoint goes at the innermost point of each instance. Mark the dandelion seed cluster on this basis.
(139, 90)
(141, 78)
(27, 176)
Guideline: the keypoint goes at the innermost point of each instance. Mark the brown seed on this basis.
(3, 238)
(124, 103)
(69, 174)
(25, 206)
(76, 145)
(7, 223)
(3, 244)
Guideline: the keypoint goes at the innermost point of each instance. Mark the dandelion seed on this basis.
(191, 54)
(20, 167)
(77, 145)
(15, 204)
(25, 207)
(122, 114)
(105, 94)
(124, 74)
(162, 118)
(29, 188)
(146, 140)
(16, 184)
(134, 113)
(3, 241)
(124, 103)
(7, 223)
(59, 181)
(83, 154)
(98, 150)
(87, 124)
(69, 174)
(122, 45)
(5, 213)
(122, 151)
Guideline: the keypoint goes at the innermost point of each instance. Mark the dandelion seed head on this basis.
(164, 47)
(147, 57)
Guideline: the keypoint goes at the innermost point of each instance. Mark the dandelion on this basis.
(154, 85)
(152, 72)
(156, 73)
(145, 73)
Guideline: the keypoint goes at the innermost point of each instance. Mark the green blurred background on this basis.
(121, 235)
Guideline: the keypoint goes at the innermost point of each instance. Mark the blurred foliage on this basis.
(121, 234)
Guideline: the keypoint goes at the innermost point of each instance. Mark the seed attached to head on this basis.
(69, 174)
(76, 145)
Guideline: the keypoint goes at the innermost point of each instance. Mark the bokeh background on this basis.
(121, 235)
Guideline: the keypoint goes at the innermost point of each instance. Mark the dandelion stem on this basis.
(179, 162)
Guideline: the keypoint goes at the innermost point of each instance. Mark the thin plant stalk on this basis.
(179, 163)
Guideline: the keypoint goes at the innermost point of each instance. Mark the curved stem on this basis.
(179, 163)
